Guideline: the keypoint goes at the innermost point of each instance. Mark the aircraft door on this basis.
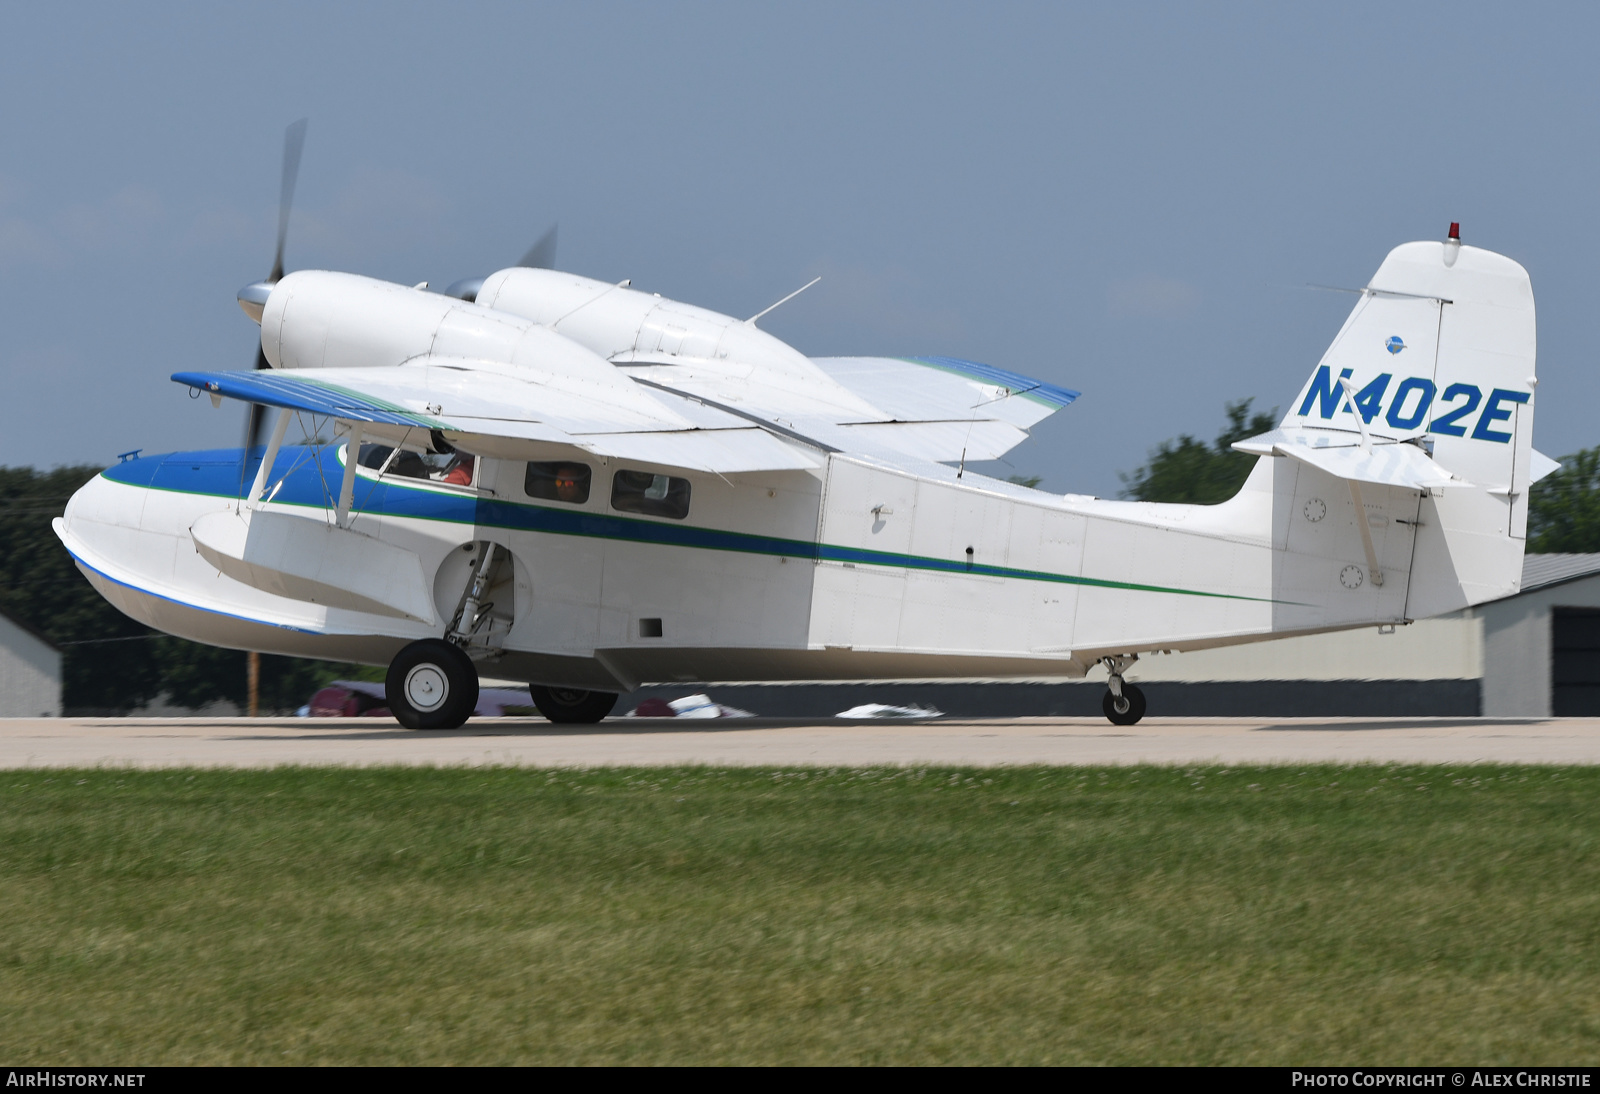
(867, 508)
(864, 534)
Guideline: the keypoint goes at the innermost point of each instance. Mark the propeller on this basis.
(541, 256)
(294, 142)
(253, 297)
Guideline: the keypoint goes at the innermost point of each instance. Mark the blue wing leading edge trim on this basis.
(1020, 385)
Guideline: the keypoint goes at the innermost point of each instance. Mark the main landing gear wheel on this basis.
(1127, 710)
(570, 706)
(432, 685)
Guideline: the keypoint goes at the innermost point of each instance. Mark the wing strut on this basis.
(1366, 532)
(268, 458)
(347, 488)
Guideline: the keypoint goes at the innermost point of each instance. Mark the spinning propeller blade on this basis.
(253, 298)
(294, 141)
(542, 255)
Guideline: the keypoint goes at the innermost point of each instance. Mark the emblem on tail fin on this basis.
(1395, 343)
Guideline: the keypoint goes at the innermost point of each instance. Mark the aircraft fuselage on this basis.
(857, 570)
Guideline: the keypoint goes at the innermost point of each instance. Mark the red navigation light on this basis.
(1455, 231)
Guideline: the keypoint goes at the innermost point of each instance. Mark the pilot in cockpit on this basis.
(570, 485)
(459, 472)
(404, 465)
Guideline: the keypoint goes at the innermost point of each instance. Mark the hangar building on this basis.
(30, 673)
(1541, 648)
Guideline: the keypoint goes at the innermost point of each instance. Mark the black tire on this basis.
(432, 685)
(1134, 700)
(570, 706)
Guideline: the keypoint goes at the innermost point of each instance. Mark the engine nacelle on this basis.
(626, 326)
(609, 319)
(554, 323)
(321, 319)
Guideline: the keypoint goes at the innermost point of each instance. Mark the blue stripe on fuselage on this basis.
(311, 477)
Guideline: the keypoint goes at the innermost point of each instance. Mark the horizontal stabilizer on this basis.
(1542, 466)
(1386, 465)
(1342, 455)
(1266, 444)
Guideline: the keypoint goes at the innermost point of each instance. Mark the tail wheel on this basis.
(432, 685)
(1126, 712)
(570, 705)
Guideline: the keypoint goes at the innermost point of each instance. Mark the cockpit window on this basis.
(373, 455)
(456, 469)
(564, 481)
(650, 494)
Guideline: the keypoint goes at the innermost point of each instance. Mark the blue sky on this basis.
(1126, 199)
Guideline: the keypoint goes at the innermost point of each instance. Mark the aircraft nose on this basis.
(115, 498)
(98, 515)
(100, 502)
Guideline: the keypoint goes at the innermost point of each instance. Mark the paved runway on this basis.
(242, 742)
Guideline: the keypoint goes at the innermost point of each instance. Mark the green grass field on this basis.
(1033, 915)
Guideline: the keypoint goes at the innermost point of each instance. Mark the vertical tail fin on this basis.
(1440, 351)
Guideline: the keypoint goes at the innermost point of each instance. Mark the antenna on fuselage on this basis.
(785, 300)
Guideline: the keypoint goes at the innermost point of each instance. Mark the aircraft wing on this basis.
(917, 389)
(929, 408)
(925, 408)
(479, 399)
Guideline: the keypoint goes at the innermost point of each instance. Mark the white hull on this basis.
(860, 571)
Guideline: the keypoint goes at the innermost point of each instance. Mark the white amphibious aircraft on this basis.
(589, 487)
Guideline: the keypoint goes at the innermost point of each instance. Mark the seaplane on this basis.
(584, 486)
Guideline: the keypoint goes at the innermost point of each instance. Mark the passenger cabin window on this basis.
(568, 482)
(455, 469)
(652, 495)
